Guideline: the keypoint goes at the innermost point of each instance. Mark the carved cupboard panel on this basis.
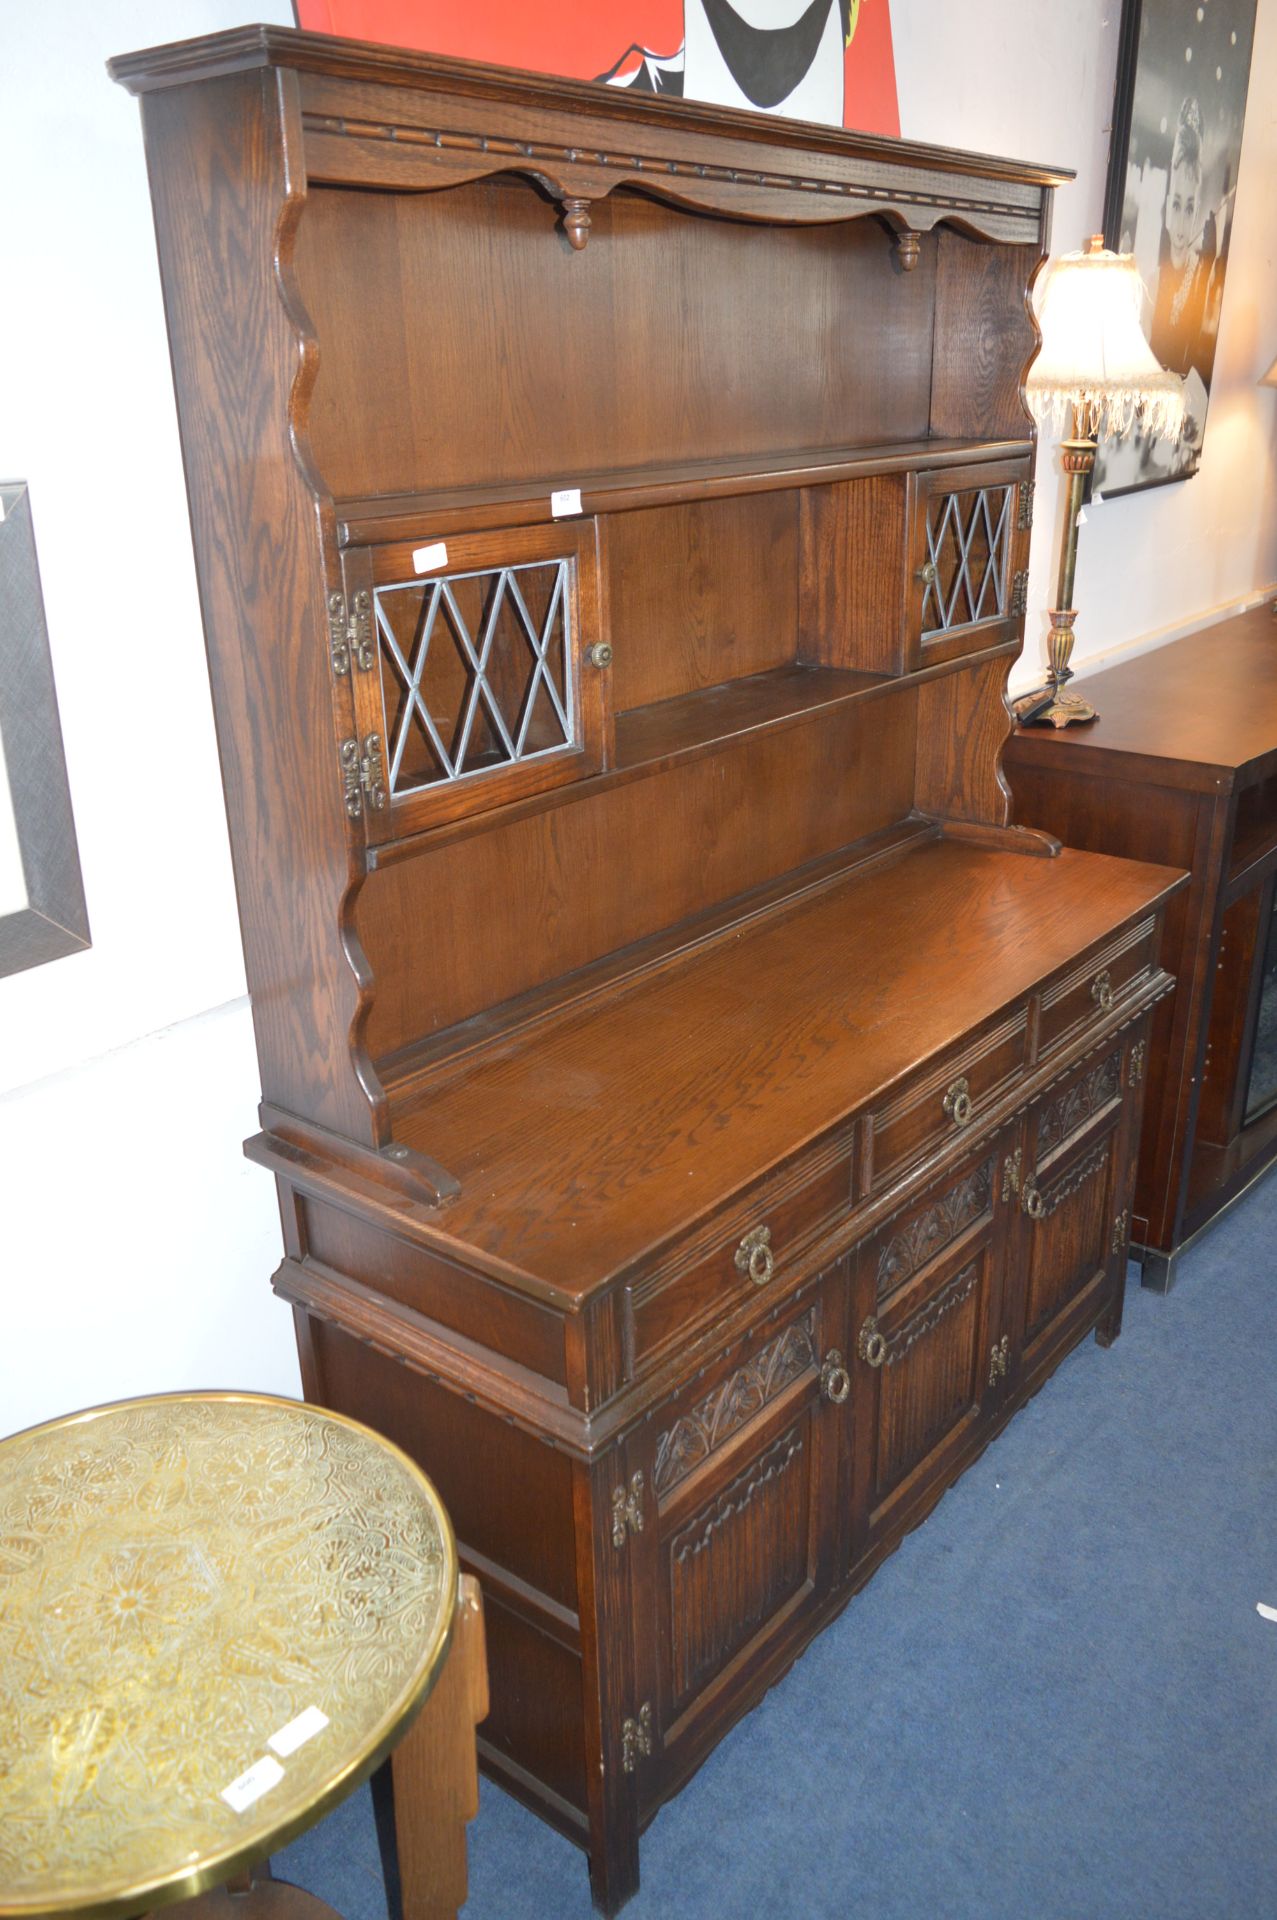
(926, 1344)
(741, 1549)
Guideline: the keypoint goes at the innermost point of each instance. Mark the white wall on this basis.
(135, 1243)
(1036, 82)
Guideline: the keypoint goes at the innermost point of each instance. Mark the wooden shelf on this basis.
(400, 516)
(651, 736)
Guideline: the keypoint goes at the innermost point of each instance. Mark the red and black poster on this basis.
(828, 60)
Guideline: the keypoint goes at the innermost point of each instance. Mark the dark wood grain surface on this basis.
(581, 1146)
(1203, 708)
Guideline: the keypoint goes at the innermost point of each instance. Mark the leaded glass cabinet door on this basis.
(969, 556)
(476, 671)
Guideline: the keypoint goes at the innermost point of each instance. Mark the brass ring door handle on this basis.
(754, 1256)
(835, 1381)
(1102, 990)
(958, 1103)
(1032, 1200)
(871, 1345)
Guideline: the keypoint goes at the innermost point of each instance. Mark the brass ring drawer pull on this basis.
(1102, 990)
(957, 1102)
(754, 1255)
(871, 1346)
(835, 1381)
(1032, 1200)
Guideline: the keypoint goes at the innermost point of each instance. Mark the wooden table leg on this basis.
(435, 1773)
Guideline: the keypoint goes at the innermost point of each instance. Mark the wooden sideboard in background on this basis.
(1181, 766)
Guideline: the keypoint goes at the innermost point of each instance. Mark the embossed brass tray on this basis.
(184, 1579)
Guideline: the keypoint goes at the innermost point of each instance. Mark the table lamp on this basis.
(1096, 372)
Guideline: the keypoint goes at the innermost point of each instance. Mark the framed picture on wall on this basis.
(1182, 73)
(828, 60)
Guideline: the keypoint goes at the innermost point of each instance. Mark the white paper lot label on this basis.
(567, 501)
(430, 559)
(298, 1732)
(260, 1778)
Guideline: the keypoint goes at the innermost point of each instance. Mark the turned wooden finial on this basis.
(576, 221)
(908, 247)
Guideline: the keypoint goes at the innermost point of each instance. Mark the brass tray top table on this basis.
(218, 1614)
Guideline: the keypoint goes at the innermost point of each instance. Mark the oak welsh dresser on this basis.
(1182, 764)
(699, 1119)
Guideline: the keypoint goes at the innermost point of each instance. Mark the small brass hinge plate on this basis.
(636, 1738)
(1121, 1228)
(999, 1359)
(350, 632)
(1137, 1062)
(1011, 1173)
(627, 1511)
(1019, 593)
(363, 775)
(1027, 490)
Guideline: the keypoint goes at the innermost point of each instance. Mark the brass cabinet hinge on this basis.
(1121, 1228)
(1011, 1173)
(350, 632)
(363, 775)
(636, 1738)
(1019, 593)
(1137, 1062)
(999, 1359)
(627, 1511)
(1027, 490)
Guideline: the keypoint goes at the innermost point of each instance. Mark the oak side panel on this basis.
(473, 343)
(962, 725)
(498, 914)
(983, 336)
(700, 594)
(854, 547)
(225, 190)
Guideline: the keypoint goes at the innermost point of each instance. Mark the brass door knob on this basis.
(835, 1381)
(958, 1104)
(600, 654)
(754, 1256)
(927, 573)
(871, 1345)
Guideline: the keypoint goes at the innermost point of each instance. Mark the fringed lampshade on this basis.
(1094, 358)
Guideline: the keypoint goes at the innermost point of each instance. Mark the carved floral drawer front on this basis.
(1101, 981)
(1086, 1099)
(758, 1255)
(946, 1100)
(913, 1240)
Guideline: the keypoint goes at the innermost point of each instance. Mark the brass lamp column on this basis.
(1078, 456)
(1096, 370)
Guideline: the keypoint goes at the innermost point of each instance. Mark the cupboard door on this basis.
(967, 547)
(1071, 1236)
(477, 672)
(743, 1469)
(929, 1353)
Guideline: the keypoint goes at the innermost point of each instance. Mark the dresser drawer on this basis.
(752, 1253)
(1102, 980)
(946, 1100)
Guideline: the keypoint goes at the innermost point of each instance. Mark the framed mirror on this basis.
(42, 908)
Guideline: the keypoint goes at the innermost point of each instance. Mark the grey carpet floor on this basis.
(1056, 1701)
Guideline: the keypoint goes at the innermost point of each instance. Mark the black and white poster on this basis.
(1183, 70)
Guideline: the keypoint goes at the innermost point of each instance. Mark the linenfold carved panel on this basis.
(737, 1561)
(734, 1401)
(951, 1295)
